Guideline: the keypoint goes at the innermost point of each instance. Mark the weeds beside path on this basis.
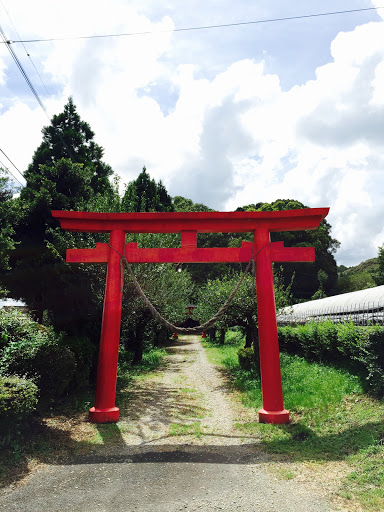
(176, 447)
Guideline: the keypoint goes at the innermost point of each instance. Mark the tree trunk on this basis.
(222, 336)
(251, 335)
(212, 334)
(252, 340)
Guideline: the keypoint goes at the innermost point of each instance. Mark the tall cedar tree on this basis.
(7, 219)
(145, 195)
(378, 276)
(66, 173)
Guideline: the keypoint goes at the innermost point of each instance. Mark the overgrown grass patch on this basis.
(126, 371)
(331, 420)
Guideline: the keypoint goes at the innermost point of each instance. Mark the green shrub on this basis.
(372, 356)
(247, 360)
(18, 400)
(18, 397)
(50, 365)
(15, 325)
(30, 349)
(233, 337)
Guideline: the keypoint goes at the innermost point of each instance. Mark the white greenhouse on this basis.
(362, 307)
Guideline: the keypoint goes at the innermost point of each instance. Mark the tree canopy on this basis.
(7, 219)
(145, 195)
(68, 136)
(306, 282)
(378, 276)
(66, 173)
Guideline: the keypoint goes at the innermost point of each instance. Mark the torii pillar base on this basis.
(109, 415)
(275, 417)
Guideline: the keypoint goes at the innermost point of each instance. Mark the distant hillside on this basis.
(356, 278)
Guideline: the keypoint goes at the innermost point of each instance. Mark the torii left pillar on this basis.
(104, 411)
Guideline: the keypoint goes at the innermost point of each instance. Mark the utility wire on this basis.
(13, 165)
(22, 71)
(9, 172)
(26, 78)
(203, 27)
(26, 51)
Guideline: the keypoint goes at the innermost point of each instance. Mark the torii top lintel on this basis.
(201, 222)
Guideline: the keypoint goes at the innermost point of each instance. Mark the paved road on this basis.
(169, 481)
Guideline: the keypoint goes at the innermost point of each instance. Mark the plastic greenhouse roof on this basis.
(371, 298)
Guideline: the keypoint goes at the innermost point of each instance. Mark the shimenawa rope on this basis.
(168, 325)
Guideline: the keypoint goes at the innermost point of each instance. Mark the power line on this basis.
(25, 76)
(12, 164)
(22, 71)
(26, 51)
(10, 172)
(188, 29)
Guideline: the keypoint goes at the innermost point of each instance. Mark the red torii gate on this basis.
(263, 251)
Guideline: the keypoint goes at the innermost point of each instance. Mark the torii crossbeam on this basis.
(263, 251)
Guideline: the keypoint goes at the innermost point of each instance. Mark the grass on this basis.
(182, 429)
(331, 420)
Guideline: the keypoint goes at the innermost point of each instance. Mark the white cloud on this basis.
(222, 132)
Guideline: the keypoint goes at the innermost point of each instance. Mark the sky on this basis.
(224, 116)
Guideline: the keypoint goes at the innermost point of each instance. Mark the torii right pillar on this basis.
(266, 252)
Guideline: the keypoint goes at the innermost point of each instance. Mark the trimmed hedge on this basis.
(18, 397)
(18, 400)
(360, 348)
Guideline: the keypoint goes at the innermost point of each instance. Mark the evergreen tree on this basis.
(145, 195)
(39, 274)
(68, 137)
(7, 219)
(378, 276)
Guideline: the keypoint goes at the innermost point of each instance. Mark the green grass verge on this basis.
(331, 420)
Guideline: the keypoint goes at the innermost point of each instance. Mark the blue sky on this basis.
(226, 116)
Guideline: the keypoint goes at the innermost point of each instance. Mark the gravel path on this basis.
(177, 449)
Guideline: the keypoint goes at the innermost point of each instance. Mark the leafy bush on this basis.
(18, 399)
(372, 356)
(56, 362)
(39, 358)
(15, 325)
(359, 348)
(233, 337)
(248, 360)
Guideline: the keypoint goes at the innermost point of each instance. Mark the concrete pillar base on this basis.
(109, 415)
(275, 417)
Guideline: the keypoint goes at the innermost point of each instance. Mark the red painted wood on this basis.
(98, 255)
(293, 254)
(189, 254)
(105, 409)
(273, 408)
(201, 222)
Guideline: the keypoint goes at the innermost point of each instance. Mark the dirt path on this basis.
(187, 401)
(176, 448)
